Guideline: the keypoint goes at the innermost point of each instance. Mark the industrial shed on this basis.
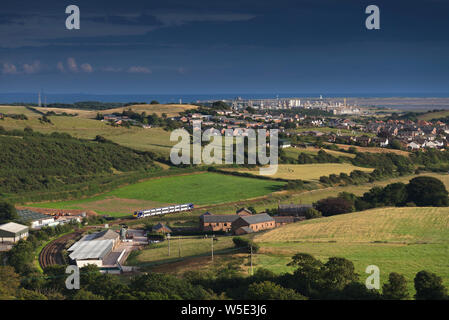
(90, 252)
(94, 248)
(12, 232)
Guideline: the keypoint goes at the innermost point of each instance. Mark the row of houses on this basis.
(244, 222)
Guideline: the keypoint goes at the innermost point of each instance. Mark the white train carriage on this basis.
(163, 210)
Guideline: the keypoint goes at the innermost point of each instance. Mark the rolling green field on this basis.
(200, 189)
(403, 240)
(433, 115)
(309, 171)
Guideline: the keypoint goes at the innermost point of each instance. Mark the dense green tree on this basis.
(86, 295)
(333, 206)
(9, 283)
(312, 213)
(429, 286)
(270, 291)
(395, 288)
(427, 191)
(7, 212)
(337, 273)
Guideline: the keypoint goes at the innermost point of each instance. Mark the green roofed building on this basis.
(12, 232)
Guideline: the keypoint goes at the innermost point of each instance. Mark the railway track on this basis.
(51, 253)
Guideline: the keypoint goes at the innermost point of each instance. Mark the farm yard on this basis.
(308, 171)
(403, 240)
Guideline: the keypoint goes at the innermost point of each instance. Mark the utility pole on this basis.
(168, 238)
(179, 246)
(212, 238)
(251, 258)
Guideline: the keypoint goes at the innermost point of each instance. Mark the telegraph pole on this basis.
(212, 238)
(168, 237)
(251, 258)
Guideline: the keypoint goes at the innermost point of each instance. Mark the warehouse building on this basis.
(12, 232)
(94, 248)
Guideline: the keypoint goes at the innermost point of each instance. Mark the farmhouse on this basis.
(12, 232)
(293, 209)
(213, 222)
(256, 222)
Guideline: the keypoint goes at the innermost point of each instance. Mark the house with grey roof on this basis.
(255, 222)
(214, 222)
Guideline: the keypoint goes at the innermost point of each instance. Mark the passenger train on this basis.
(163, 210)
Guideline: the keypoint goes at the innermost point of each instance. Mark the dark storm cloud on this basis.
(251, 44)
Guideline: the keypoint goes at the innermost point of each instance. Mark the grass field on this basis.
(200, 189)
(181, 248)
(404, 240)
(372, 149)
(294, 152)
(433, 115)
(309, 171)
(171, 110)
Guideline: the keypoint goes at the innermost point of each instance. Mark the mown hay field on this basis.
(308, 171)
(294, 152)
(403, 240)
(373, 149)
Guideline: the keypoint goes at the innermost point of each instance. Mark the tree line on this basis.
(311, 279)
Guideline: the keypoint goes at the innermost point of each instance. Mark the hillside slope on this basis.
(403, 240)
(405, 225)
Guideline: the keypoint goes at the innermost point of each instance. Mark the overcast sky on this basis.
(209, 46)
